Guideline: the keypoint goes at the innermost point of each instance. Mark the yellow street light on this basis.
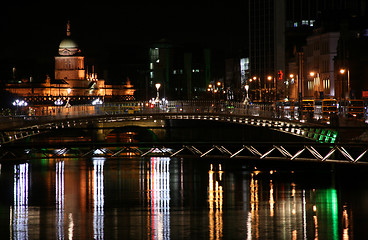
(312, 74)
(342, 71)
(291, 75)
(269, 78)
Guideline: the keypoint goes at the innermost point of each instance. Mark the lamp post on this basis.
(342, 71)
(247, 96)
(316, 81)
(269, 78)
(158, 85)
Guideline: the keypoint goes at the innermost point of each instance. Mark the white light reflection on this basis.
(19, 210)
(60, 196)
(160, 197)
(98, 197)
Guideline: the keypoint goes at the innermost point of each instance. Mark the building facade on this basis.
(319, 54)
(71, 81)
(183, 72)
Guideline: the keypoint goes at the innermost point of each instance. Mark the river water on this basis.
(181, 198)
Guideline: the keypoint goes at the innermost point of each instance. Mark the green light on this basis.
(327, 213)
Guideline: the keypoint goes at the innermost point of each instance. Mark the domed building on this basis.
(69, 65)
(71, 81)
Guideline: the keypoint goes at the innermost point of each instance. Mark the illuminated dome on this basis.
(68, 47)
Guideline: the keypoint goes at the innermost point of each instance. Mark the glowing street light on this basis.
(20, 103)
(58, 102)
(158, 85)
(97, 101)
(247, 96)
(342, 71)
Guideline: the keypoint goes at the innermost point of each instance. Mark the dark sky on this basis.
(114, 32)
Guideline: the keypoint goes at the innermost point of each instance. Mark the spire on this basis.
(68, 28)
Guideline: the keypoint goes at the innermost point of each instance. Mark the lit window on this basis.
(295, 24)
(326, 83)
(310, 85)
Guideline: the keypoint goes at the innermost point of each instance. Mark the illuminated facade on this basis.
(71, 81)
(319, 54)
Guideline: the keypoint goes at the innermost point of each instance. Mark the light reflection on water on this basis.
(163, 198)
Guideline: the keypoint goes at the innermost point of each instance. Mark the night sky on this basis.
(114, 33)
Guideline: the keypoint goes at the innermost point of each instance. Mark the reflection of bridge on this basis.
(324, 146)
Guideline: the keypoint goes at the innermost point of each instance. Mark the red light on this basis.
(280, 75)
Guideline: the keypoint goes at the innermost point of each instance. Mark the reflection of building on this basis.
(71, 80)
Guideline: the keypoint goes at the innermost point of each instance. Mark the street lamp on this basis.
(269, 78)
(342, 71)
(316, 81)
(247, 97)
(158, 85)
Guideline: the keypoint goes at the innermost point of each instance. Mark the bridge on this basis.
(320, 138)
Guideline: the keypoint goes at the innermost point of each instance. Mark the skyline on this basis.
(109, 33)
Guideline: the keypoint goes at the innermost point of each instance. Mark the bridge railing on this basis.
(190, 107)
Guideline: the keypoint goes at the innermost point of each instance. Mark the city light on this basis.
(20, 103)
(59, 102)
(97, 101)
(158, 85)
(312, 74)
(269, 78)
(342, 71)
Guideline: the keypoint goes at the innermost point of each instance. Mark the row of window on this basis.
(325, 82)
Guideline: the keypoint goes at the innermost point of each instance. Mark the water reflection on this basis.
(98, 197)
(215, 201)
(19, 210)
(60, 198)
(160, 197)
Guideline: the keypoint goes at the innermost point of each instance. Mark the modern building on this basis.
(351, 62)
(72, 81)
(267, 43)
(278, 31)
(183, 71)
